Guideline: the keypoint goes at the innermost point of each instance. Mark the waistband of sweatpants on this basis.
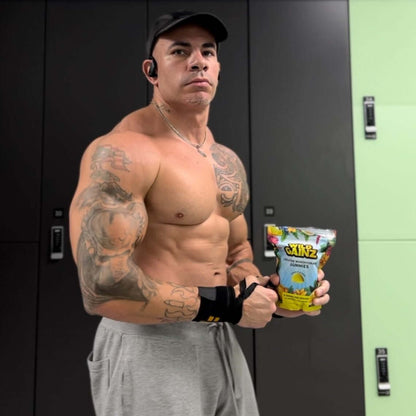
(194, 331)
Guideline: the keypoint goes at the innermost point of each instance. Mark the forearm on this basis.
(121, 290)
(240, 264)
(169, 303)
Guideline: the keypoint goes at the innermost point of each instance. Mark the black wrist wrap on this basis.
(219, 304)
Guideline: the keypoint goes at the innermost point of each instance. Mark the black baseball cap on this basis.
(167, 22)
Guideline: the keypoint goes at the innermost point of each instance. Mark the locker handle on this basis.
(57, 242)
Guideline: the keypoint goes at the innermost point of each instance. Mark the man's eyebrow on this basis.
(179, 43)
(188, 45)
(209, 45)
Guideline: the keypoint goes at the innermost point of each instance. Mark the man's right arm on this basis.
(108, 219)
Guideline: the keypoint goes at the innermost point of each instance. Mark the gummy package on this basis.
(300, 253)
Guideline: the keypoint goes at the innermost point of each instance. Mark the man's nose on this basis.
(198, 62)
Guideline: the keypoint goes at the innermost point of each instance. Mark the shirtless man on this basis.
(159, 237)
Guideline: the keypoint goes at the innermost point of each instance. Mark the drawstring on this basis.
(223, 340)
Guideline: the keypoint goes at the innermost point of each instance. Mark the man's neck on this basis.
(189, 120)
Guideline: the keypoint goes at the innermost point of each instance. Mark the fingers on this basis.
(261, 280)
(313, 313)
(259, 306)
(270, 290)
(266, 289)
(275, 279)
(323, 300)
(321, 293)
(288, 314)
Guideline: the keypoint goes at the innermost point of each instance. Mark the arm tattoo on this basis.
(230, 177)
(110, 230)
(183, 306)
(238, 262)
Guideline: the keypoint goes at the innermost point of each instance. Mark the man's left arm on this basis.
(240, 254)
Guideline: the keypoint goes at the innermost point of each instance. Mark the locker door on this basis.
(302, 158)
(21, 86)
(93, 60)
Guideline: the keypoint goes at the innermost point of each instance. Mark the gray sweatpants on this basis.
(181, 369)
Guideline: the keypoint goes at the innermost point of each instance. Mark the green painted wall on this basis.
(383, 64)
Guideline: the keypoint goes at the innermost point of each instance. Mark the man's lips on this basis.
(199, 81)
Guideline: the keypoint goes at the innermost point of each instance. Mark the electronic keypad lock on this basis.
(57, 242)
(383, 384)
(370, 128)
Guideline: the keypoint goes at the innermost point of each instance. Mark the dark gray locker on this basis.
(21, 87)
(21, 101)
(93, 64)
(302, 158)
(18, 285)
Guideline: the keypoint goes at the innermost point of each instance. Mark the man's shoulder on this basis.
(221, 151)
(134, 150)
(132, 144)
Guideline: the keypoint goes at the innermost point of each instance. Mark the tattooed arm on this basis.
(232, 182)
(240, 254)
(108, 219)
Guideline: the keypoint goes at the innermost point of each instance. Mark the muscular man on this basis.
(160, 242)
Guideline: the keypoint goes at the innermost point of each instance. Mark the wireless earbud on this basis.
(153, 68)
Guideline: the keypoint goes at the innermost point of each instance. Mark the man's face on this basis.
(187, 64)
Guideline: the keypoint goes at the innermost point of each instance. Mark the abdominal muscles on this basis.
(189, 255)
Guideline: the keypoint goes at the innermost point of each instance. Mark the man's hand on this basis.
(260, 305)
(321, 297)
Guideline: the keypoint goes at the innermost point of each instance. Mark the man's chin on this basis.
(200, 99)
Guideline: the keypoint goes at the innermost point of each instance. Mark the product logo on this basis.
(301, 250)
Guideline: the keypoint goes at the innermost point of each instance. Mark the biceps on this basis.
(108, 231)
(114, 230)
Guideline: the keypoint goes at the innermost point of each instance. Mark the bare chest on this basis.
(190, 188)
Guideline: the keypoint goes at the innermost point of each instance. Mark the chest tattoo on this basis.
(231, 178)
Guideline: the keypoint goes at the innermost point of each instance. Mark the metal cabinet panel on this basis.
(21, 110)
(302, 158)
(93, 61)
(18, 284)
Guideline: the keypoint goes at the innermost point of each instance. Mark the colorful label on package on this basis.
(300, 253)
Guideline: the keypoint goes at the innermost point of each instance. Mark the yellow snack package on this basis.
(300, 253)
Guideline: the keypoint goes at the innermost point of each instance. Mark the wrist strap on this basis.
(219, 304)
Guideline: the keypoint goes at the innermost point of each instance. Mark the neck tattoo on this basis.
(179, 134)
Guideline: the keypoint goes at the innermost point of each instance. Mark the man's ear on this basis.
(148, 68)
